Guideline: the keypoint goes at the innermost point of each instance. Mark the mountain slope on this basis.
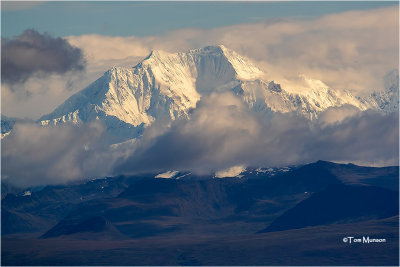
(339, 204)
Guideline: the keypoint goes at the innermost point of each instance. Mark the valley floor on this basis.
(318, 245)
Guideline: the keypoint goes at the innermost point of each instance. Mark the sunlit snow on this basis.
(167, 175)
(234, 171)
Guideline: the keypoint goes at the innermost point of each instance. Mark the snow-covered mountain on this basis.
(166, 85)
(162, 85)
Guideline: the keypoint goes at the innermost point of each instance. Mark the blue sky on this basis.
(153, 18)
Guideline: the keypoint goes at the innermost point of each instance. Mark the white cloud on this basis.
(105, 51)
(38, 96)
(337, 114)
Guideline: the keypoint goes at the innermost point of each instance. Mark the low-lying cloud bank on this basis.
(34, 155)
(222, 132)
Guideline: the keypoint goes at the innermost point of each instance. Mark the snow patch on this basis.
(179, 177)
(234, 171)
(284, 169)
(27, 193)
(5, 134)
(167, 175)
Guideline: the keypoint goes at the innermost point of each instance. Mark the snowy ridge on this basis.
(6, 125)
(388, 100)
(166, 85)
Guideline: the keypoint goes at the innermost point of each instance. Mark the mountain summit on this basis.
(168, 85)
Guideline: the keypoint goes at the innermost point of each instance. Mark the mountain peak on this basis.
(156, 54)
(211, 49)
(243, 67)
(213, 57)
